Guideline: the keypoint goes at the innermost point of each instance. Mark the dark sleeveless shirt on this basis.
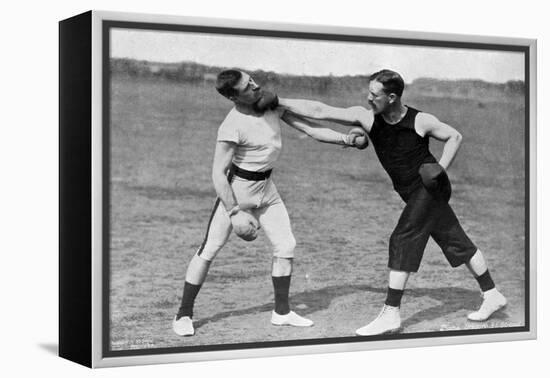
(401, 150)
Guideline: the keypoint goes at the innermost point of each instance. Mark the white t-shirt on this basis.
(258, 139)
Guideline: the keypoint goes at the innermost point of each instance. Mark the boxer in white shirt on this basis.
(248, 144)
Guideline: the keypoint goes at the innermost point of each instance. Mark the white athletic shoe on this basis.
(291, 319)
(388, 321)
(492, 302)
(183, 326)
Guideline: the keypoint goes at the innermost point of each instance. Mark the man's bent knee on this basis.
(282, 266)
(285, 249)
(209, 251)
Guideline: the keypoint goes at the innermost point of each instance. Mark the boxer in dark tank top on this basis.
(400, 135)
(401, 150)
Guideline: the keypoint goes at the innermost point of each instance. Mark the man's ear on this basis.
(392, 97)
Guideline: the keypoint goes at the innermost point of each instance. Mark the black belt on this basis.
(249, 175)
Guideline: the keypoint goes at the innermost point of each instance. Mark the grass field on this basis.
(342, 208)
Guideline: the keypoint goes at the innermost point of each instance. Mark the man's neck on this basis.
(395, 114)
(246, 109)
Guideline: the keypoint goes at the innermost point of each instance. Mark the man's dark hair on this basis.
(391, 80)
(226, 81)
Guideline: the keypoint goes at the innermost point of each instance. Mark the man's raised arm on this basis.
(353, 116)
(355, 138)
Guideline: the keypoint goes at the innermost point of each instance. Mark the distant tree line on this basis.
(466, 88)
(189, 72)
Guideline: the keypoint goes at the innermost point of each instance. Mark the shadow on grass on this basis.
(452, 299)
(315, 300)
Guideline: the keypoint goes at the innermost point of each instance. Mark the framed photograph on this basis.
(238, 189)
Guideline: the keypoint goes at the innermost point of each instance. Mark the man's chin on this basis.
(254, 102)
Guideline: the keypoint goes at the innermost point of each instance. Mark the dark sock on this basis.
(394, 297)
(281, 286)
(190, 292)
(485, 281)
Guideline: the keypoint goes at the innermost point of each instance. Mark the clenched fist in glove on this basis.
(268, 101)
(435, 180)
(357, 137)
(244, 224)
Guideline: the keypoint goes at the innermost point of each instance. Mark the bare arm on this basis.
(223, 155)
(322, 134)
(244, 224)
(354, 116)
(427, 124)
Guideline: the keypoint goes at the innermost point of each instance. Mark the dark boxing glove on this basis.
(435, 180)
(360, 141)
(244, 224)
(268, 101)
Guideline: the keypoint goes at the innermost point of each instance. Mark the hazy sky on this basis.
(298, 56)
